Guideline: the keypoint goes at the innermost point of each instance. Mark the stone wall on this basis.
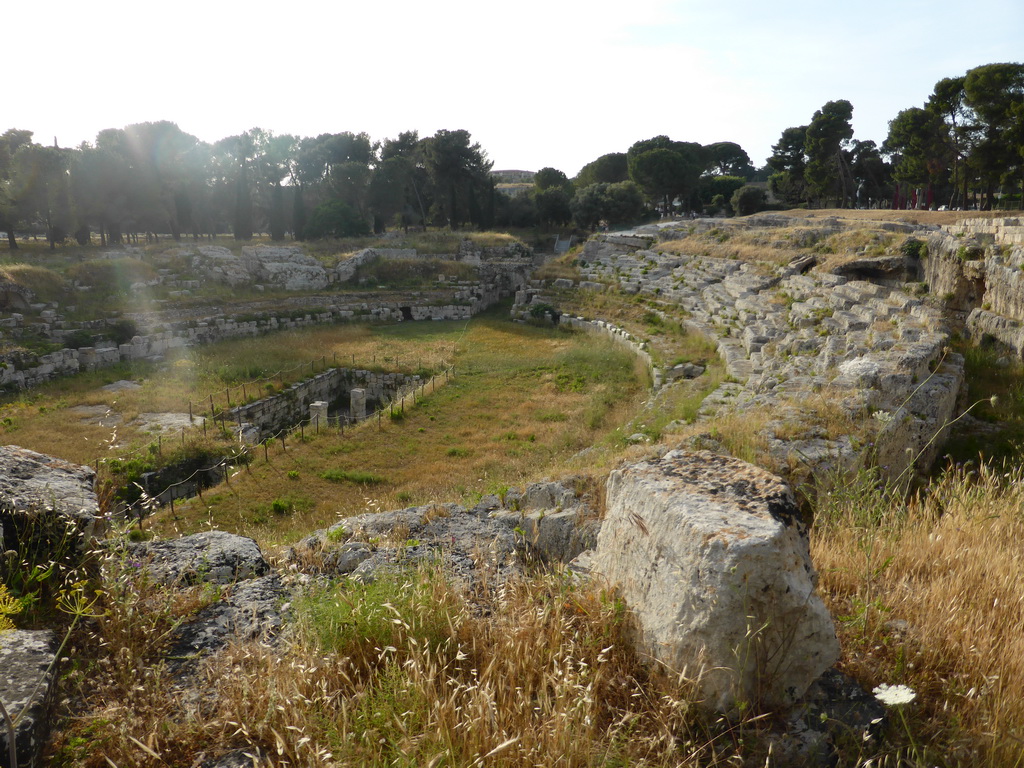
(283, 410)
(977, 267)
(501, 271)
(23, 370)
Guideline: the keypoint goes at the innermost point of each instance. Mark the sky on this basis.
(538, 83)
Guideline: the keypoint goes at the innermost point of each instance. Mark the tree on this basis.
(458, 171)
(995, 92)
(871, 174)
(747, 200)
(666, 169)
(727, 158)
(948, 100)
(335, 218)
(609, 169)
(712, 187)
(41, 190)
(548, 178)
(828, 174)
(916, 142)
(10, 214)
(789, 165)
(659, 173)
(553, 205)
(615, 204)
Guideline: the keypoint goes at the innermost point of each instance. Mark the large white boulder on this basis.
(220, 265)
(40, 494)
(284, 266)
(712, 557)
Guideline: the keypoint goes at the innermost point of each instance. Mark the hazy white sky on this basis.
(536, 82)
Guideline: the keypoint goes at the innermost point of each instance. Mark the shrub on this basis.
(352, 476)
(914, 248)
(78, 339)
(335, 218)
(747, 200)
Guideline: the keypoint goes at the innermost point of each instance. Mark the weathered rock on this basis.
(251, 610)
(57, 490)
(286, 267)
(548, 521)
(889, 270)
(26, 687)
(217, 263)
(212, 556)
(711, 555)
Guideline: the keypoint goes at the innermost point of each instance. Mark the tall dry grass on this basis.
(410, 671)
(927, 593)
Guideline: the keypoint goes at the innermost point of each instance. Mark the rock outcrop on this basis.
(286, 267)
(49, 490)
(26, 688)
(711, 556)
(785, 336)
(492, 540)
(212, 556)
(977, 267)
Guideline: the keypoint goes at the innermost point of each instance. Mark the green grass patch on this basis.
(356, 476)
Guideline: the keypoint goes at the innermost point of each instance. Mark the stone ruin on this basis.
(795, 342)
(708, 552)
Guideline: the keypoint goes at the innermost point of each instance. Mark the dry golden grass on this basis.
(46, 284)
(911, 217)
(928, 594)
(405, 672)
(742, 246)
(44, 419)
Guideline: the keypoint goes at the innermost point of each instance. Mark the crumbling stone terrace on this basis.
(797, 343)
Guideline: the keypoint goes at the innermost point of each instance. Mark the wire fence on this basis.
(258, 387)
(243, 457)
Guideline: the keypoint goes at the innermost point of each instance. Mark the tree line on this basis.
(153, 178)
(654, 176)
(963, 149)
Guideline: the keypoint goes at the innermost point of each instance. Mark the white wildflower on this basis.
(894, 695)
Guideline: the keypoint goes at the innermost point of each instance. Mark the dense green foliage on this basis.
(964, 149)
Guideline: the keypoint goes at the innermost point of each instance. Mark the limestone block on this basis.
(34, 482)
(220, 265)
(711, 556)
(211, 556)
(249, 611)
(26, 683)
(318, 413)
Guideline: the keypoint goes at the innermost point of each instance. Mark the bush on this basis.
(747, 200)
(78, 339)
(335, 219)
(914, 248)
